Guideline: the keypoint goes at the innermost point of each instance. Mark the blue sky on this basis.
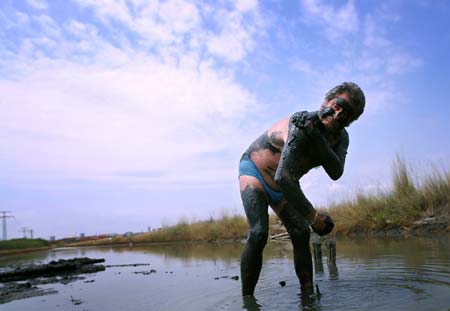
(119, 115)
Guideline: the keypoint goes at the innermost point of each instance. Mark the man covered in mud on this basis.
(270, 170)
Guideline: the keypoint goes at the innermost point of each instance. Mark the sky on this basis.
(119, 115)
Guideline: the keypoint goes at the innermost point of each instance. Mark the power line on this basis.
(24, 231)
(31, 233)
(4, 216)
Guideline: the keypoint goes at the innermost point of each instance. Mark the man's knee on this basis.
(254, 200)
(295, 223)
(257, 237)
(299, 233)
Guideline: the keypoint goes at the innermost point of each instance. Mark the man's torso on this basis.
(266, 150)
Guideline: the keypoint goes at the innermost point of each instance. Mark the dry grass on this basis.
(408, 200)
(228, 226)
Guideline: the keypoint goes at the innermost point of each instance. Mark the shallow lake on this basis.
(411, 274)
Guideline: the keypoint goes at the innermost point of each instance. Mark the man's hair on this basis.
(355, 94)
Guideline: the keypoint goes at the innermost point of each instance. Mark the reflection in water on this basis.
(332, 270)
(331, 259)
(317, 256)
(373, 275)
(318, 265)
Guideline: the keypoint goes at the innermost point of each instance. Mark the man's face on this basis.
(344, 112)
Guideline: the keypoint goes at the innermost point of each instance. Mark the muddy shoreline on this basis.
(21, 281)
(24, 281)
(426, 228)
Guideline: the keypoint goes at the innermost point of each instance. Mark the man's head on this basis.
(347, 100)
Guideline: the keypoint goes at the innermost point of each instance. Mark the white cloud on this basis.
(108, 9)
(302, 66)
(237, 32)
(246, 5)
(337, 22)
(38, 4)
(368, 56)
(22, 18)
(108, 112)
(48, 25)
(374, 35)
(401, 62)
(163, 22)
(175, 26)
(179, 16)
(380, 53)
(94, 121)
(229, 45)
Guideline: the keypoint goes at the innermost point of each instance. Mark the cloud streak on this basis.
(335, 21)
(363, 49)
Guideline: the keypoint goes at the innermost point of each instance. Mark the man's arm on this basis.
(333, 161)
(286, 175)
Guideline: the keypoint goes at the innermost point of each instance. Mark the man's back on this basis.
(265, 151)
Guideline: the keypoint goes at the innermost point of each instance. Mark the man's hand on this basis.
(318, 126)
(323, 224)
(313, 124)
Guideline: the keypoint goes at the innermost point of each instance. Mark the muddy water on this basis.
(372, 275)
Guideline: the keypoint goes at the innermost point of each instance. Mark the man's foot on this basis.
(309, 299)
(250, 303)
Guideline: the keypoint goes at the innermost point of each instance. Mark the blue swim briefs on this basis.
(248, 168)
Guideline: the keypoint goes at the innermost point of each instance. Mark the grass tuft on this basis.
(408, 200)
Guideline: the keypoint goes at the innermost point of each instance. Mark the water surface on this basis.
(372, 275)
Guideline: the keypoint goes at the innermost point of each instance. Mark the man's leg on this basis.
(255, 205)
(298, 229)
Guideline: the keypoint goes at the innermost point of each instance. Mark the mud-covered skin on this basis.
(273, 143)
(298, 229)
(255, 205)
(308, 147)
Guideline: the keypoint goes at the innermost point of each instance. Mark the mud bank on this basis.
(19, 282)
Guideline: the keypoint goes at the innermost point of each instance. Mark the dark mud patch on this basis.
(145, 272)
(128, 265)
(235, 277)
(20, 282)
(14, 291)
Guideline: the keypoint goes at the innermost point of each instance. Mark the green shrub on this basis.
(23, 243)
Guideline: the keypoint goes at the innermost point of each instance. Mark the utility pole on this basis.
(31, 233)
(24, 230)
(4, 216)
